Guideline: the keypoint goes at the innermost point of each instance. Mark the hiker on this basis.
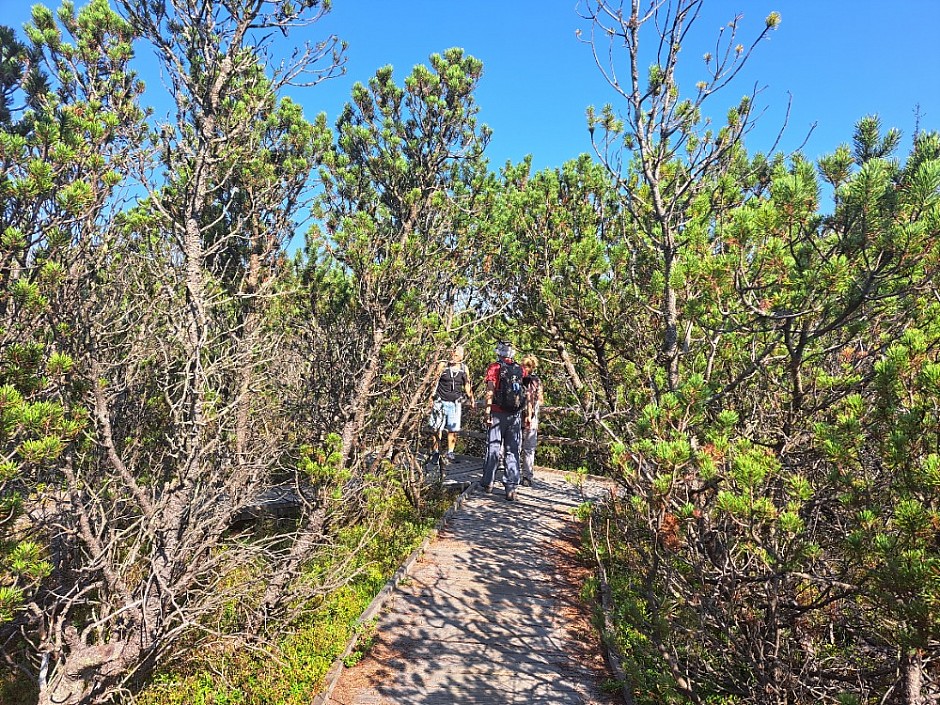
(505, 401)
(453, 387)
(530, 417)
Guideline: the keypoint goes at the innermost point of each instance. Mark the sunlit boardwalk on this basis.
(491, 612)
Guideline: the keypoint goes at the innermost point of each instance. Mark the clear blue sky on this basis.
(838, 59)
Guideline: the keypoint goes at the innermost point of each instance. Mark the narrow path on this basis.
(491, 612)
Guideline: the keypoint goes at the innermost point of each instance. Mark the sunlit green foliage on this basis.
(390, 268)
(57, 168)
(773, 533)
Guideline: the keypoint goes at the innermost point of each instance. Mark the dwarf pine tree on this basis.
(659, 145)
(63, 157)
(804, 428)
(155, 306)
(734, 576)
(404, 182)
(880, 442)
(564, 241)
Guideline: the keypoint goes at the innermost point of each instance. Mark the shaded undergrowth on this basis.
(291, 671)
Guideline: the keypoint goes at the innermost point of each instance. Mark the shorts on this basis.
(451, 415)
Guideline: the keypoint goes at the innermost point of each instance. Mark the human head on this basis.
(530, 362)
(504, 349)
(457, 354)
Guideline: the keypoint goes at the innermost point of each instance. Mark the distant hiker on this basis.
(452, 389)
(530, 417)
(505, 403)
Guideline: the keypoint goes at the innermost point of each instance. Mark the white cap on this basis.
(504, 349)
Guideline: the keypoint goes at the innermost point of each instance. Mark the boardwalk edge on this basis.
(336, 670)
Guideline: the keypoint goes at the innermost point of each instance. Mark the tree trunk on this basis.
(246, 367)
(359, 405)
(670, 348)
(70, 685)
(912, 671)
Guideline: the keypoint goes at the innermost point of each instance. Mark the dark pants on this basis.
(505, 430)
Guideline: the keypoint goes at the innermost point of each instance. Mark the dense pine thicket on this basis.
(754, 362)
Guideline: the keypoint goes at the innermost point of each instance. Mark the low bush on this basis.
(291, 671)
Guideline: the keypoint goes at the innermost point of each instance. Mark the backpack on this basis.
(510, 393)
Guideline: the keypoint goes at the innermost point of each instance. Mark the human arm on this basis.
(468, 390)
(489, 388)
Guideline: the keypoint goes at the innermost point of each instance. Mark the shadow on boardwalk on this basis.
(490, 613)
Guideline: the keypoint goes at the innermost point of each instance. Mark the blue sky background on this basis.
(838, 59)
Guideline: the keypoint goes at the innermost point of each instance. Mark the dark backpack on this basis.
(510, 393)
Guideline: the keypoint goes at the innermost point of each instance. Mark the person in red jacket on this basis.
(505, 403)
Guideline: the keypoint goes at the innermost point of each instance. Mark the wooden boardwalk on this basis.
(490, 613)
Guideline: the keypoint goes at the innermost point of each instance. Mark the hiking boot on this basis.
(526, 482)
(511, 495)
(487, 488)
(450, 456)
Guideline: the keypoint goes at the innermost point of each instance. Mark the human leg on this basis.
(437, 418)
(512, 431)
(494, 444)
(452, 411)
(529, 441)
(451, 444)
(436, 442)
